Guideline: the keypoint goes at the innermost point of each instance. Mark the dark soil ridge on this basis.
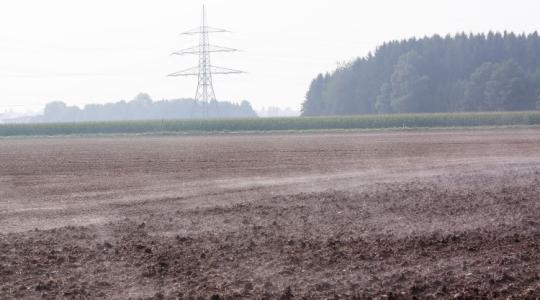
(102, 261)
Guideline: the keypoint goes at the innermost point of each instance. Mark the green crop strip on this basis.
(276, 124)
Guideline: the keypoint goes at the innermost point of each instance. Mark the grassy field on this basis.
(275, 124)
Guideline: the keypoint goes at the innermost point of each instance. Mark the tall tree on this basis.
(409, 85)
(143, 108)
(314, 104)
(507, 88)
(383, 104)
(463, 72)
(475, 88)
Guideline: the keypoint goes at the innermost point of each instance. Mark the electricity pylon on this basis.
(205, 70)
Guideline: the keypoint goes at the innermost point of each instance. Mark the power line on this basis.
(204, 71)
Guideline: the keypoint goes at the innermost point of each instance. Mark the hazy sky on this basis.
(105, 50)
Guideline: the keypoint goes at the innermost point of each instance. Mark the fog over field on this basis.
(236, 149)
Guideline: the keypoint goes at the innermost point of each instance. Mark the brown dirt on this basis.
(391, 215)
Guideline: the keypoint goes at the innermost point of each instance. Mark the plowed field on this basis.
(384, 214)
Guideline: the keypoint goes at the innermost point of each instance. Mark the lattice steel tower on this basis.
(205, 89)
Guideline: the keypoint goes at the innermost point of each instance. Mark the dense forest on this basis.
(463, 72)
(143, 108)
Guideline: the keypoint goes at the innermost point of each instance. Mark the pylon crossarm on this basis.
(205, 29)
(191, 50)
(220, 70)
(197, 50)
(187, 72)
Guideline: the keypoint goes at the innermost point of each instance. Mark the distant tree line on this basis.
(482, 72)
(143, 108)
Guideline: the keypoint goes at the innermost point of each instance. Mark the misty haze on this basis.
(269, 150)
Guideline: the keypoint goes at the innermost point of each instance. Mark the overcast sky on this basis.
(99, 51)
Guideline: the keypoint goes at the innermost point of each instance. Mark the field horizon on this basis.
(428, 120)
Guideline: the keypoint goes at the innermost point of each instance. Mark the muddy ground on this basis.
(387, 214)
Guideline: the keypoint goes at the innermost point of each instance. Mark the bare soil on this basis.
(390, 215)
